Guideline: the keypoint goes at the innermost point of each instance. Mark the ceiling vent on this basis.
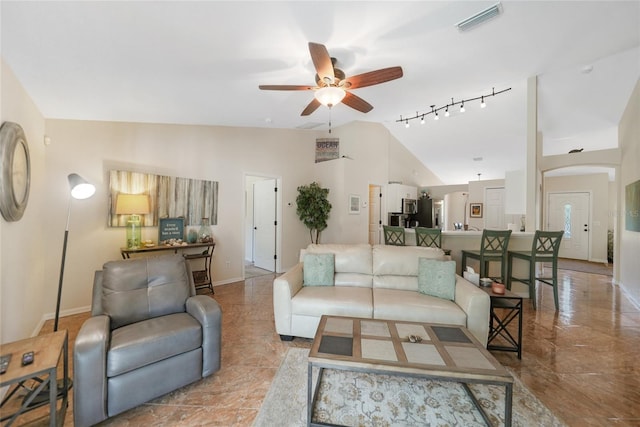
(480, 17)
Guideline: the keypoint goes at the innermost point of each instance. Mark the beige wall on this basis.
(31, 248)
(23, 249)
(629, 241)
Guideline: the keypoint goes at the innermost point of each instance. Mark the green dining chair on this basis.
(430, 237)
(493, 248)
(393, 235)
(544, 248)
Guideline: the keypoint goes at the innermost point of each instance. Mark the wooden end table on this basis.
(47, 349)
(445, 352)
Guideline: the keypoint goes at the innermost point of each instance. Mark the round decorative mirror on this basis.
(15, 177)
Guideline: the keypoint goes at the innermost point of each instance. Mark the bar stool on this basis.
(545, 248)
(393, 235)
(493, 247)
(430, 237)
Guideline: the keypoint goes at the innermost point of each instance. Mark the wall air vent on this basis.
(480, 17)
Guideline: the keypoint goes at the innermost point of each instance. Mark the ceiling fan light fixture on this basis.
(330, 95)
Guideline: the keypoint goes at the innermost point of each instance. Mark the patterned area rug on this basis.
(360, 399)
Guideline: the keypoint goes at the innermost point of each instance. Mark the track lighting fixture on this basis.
(435, 110)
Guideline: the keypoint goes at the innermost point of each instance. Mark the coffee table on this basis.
(445, 353)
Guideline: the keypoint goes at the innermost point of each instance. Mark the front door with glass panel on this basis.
(570, 212)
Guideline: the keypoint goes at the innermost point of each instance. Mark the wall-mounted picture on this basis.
(327, 149)
(165, 197)
(354, 204)
(632, 207)
(475, 210)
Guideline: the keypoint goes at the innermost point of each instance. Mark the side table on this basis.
(47, 349)
(505, 308)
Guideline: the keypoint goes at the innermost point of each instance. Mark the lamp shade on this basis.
(80, 188)
(330, 95)
(128, 204)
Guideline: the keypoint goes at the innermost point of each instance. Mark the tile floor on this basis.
(581, 361)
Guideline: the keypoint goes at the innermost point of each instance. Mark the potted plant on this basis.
(313, 208)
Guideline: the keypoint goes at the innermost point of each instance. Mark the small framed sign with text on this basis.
(170, 228)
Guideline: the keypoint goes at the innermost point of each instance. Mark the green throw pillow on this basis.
(437, 278)
(318, 269)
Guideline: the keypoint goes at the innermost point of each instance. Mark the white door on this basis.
(264, 224)
(375, 215)
(570, 212)
(494, 210)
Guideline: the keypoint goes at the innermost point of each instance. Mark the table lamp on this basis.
(133, 205)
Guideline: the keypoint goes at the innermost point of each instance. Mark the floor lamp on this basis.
(80, 189)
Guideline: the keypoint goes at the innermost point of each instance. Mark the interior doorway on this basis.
(261, 222)
(494, 209)
(375, 214)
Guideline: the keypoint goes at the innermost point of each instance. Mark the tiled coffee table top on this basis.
(366, 343)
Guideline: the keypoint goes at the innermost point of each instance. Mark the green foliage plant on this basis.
(313, 208)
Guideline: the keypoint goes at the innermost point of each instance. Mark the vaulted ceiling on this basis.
(202, 62)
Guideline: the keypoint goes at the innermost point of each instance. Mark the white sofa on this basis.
(379, 282)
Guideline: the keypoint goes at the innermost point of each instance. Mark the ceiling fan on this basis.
(332, 85)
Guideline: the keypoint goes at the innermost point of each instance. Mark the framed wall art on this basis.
(632, 206)
(475, 210)
(354, 204)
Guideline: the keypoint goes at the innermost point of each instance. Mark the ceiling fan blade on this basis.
(286, 87)
(357, 103)
(322, 61)
(313, 106)
(373, 77)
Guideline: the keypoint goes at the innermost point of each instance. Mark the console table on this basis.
(201, 278)
(48, 349)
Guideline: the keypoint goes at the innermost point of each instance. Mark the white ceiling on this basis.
(202, 62)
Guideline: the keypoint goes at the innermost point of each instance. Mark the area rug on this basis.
(360, 399)
(584, 266)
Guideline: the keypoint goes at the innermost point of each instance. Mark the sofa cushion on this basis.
(152, 340)
(318, 269)
(333, 300)
(416, 307)
(437, 278)
(348, 258)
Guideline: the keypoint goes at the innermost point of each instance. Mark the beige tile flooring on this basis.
(581, 361)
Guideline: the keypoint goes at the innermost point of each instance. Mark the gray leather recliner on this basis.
(149, 333)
